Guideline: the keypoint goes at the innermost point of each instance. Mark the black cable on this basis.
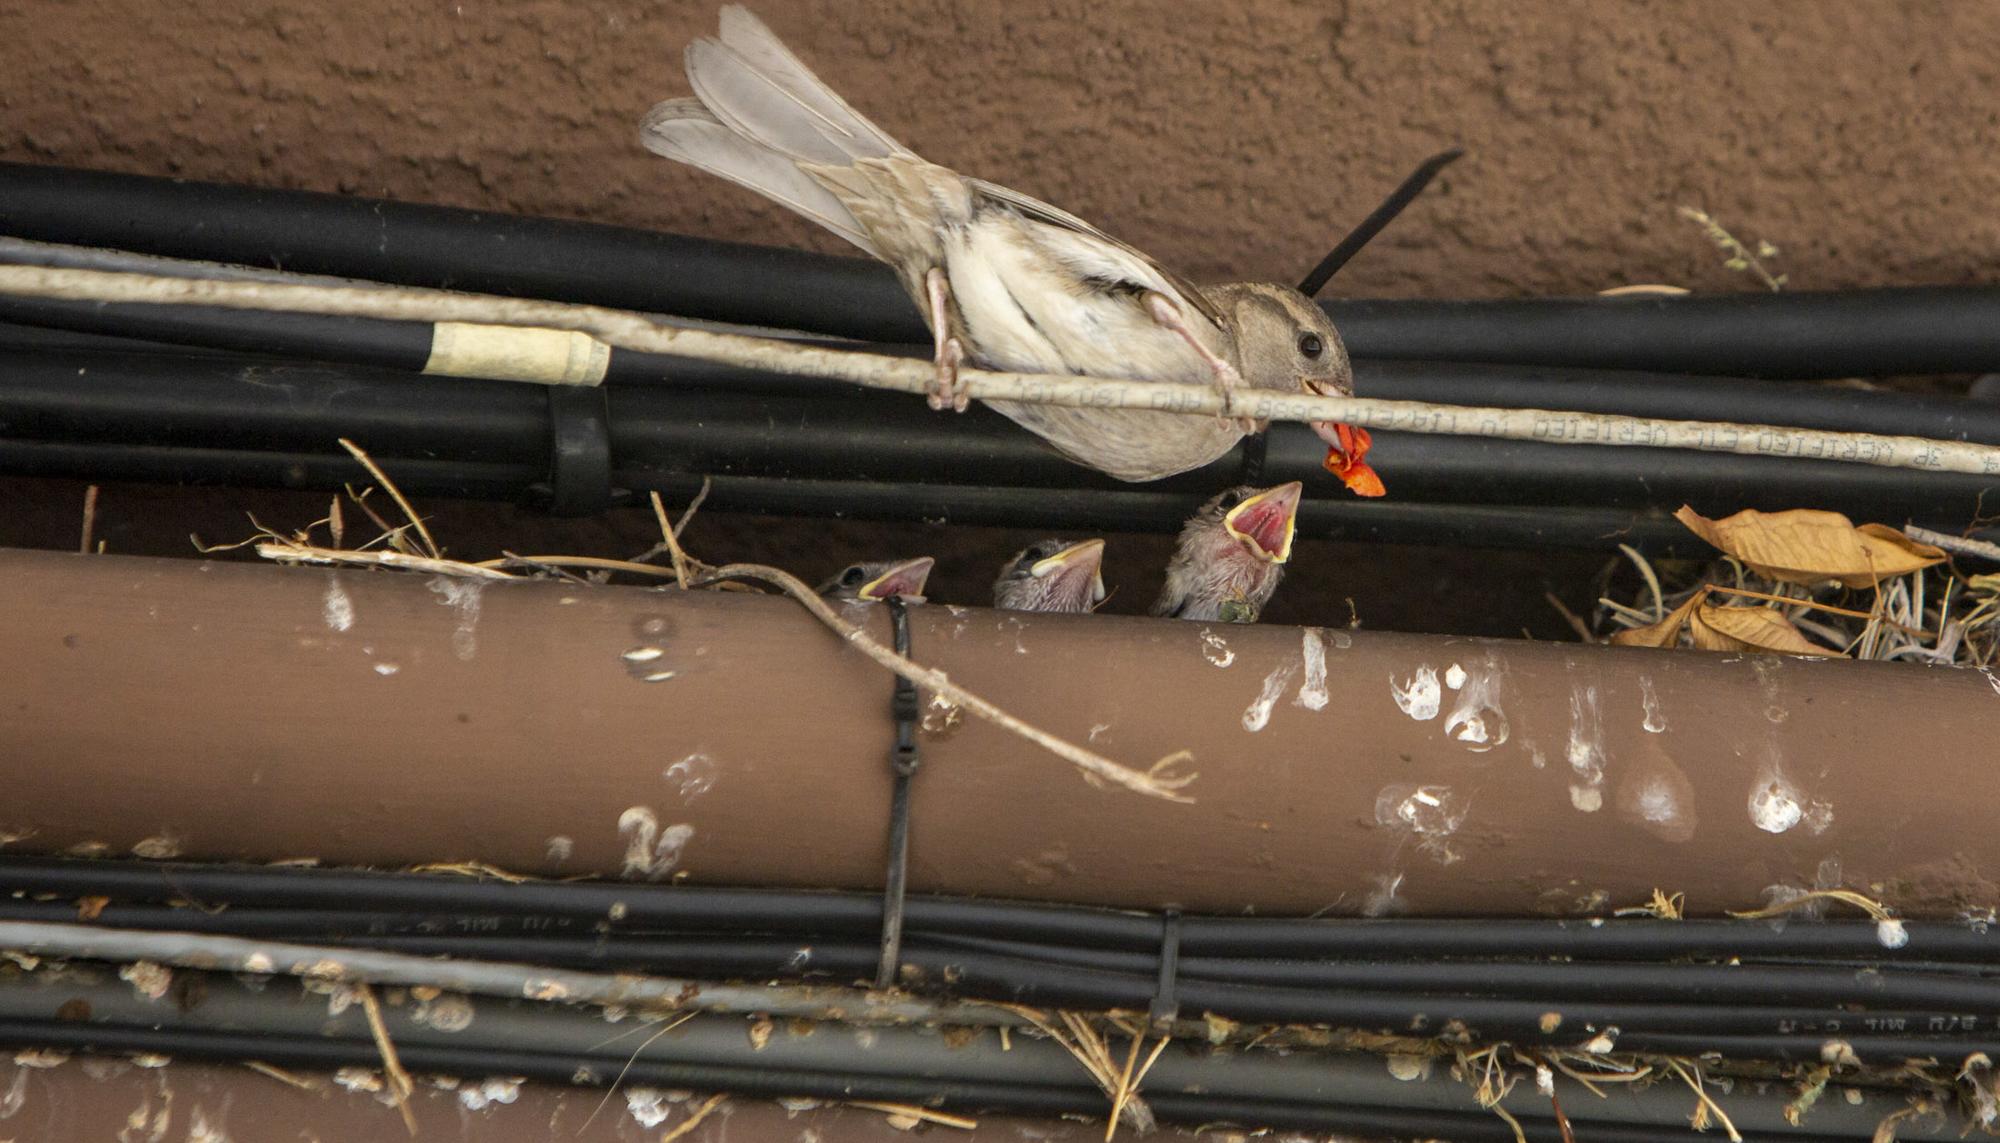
(851, 452)
(1790, 334)
(482, 252)
(108, 1015)
(1549, 984)
(965, 1097)
(836, 913)
(1466, 525)
(1882, 332)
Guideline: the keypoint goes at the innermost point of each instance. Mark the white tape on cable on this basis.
(517, 353)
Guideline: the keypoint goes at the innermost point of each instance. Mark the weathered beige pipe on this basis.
(233, 711)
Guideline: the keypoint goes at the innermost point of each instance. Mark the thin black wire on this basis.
(1380, 217)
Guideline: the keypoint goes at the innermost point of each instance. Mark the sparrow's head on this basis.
(1286, 342)
(873, 582)
(1052, 575)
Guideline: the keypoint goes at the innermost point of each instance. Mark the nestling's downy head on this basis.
(1052, 575)
(1232, 554)
(874, 582)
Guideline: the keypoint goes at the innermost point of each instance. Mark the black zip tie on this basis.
(1255, 446)
(1380, 217)
(579, 450)
(903, 761)
(1166, 1006)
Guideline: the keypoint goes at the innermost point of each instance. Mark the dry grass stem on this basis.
(671, 536)
(1652, 580)
(1705, 1105)
(395, 493)
(596, 562)
(89, 519)
(612, 1088)
(1737, 256)
(401, 1086)
(287, 551)
(1081, 1040)
(1875, 909)
(289, 1079)
(1158, 780)
(472, 869)
(694, 1119)
(644, 333)
(916, 1114)
(1574, 620)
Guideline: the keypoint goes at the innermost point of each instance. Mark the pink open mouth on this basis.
(1267, 521)
(905, 579)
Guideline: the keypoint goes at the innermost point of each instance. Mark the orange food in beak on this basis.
(1345, 461)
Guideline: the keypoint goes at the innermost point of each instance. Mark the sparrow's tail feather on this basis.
(756, 86)
(687, 132)
(759, 47)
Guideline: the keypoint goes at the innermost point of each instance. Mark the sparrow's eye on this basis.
(1311, 345)
(853, 576)
(1231, 500)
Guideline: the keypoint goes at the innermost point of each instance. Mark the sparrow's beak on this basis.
(905, 579)
(1265, 523)
(1073, 562)
(1346, 446)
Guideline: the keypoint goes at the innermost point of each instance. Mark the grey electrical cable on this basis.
(323, 962)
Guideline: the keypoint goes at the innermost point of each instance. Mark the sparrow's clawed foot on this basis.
(950, 352)
(1168, 315)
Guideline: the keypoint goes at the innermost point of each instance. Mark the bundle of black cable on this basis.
(1813, 999)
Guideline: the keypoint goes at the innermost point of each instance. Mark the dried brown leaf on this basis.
(1665, 633)
(1806, 545)
(1750, 629)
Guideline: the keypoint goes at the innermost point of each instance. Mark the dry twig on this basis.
(1156, 781)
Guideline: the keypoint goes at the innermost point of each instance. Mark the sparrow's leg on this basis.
(1168, 316)
(949, 353)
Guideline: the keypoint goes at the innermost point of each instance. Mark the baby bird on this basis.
(1052, 575)
(874, 582)
(1231, 555)
(1005, 281)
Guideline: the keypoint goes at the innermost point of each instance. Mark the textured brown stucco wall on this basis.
(1233, 139)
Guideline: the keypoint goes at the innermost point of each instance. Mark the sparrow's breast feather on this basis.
(1025, 311)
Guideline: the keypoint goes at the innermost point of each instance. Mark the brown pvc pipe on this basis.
(84, 1098)
(230, 711)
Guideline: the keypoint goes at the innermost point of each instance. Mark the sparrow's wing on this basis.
(1095, 256)
(683, 130)
(758, 88)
